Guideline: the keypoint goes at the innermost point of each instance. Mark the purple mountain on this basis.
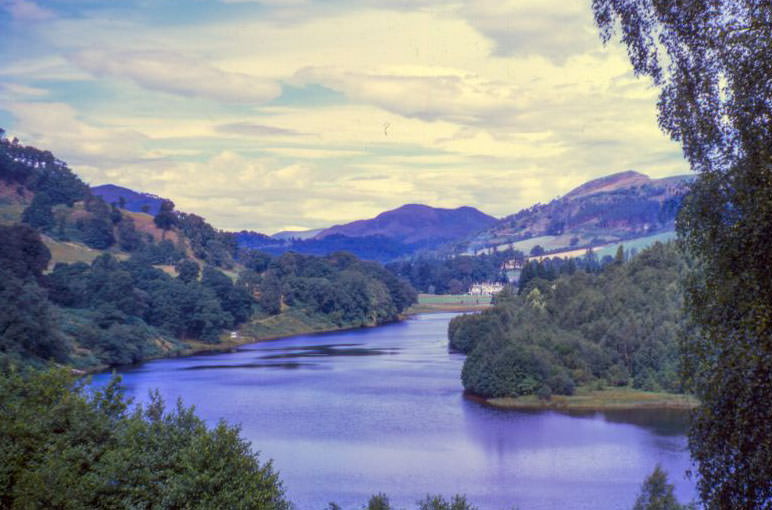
(415, 223)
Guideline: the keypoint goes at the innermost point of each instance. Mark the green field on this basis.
(638, 244)
(452, 299)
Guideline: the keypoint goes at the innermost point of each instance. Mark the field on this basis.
(428, 303)
(69, 252)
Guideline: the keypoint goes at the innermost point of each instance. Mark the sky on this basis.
(296, 114)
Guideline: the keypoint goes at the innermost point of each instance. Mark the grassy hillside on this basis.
(609, 210)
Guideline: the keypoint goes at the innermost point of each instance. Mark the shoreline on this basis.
(197, 347)
(610, 399)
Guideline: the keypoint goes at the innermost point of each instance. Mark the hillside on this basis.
(618, 207)
(91, 285)
(128, 199)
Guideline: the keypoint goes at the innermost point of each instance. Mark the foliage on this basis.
(27, 323)
(63, 447)
(215, 247)
(458, 502)
(40, 171)
(165, 219)
(372, 247)
(117, 310)
(379, 502)
(619, 327)
(39, 214)
(453, 275)
(711, 62)
(346, 290)
(657, 494)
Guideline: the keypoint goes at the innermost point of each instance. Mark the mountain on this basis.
(415, 223)
(131, 200)
(611, 209)
(296, 234)
(609, 183)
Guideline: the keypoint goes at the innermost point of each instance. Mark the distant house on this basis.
(485, 288)
(512, 265)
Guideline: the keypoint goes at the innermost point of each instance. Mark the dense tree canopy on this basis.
(616, 327)
(453, 275)
(62, 446)
(713, 62)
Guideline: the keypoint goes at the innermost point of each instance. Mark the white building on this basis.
(485, 288)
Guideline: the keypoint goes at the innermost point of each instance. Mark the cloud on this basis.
(58, 128)
(461, 98)
(255, 130)
(554, 29)
(19, 90)
(27, 10)
(175, 73)
(495, 104)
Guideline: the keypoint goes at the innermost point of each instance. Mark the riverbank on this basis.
(437, 303)
(287, 324)
(595, 400)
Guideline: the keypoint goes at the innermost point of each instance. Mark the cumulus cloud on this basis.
(491, 103)
(176, 73)
(58, 128)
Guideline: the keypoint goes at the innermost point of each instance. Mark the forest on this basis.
(616, 327)
(453, 275)
(144, 296)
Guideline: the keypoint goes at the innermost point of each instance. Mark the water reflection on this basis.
(288, 365)
(312, 351)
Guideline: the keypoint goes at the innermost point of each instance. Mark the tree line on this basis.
(454, 275)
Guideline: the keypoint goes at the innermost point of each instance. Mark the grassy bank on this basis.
(432, 303)
(286, 324)
(586, 399)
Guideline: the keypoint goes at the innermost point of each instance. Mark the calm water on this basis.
(346, 415)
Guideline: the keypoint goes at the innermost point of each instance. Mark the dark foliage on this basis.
(617, 327)
(453, 275)
(348, 291)
(63, 447)
(711, 61)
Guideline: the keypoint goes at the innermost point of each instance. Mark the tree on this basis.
(97, 232)
(166, 218)
(187, 270)
(619, 258)
(657, 493)
(39, 214)
(379, 502)
(711, 60)
(458, 502)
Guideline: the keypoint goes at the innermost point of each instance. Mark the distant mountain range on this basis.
(615, 208)
(128, 199)
(393, 234)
